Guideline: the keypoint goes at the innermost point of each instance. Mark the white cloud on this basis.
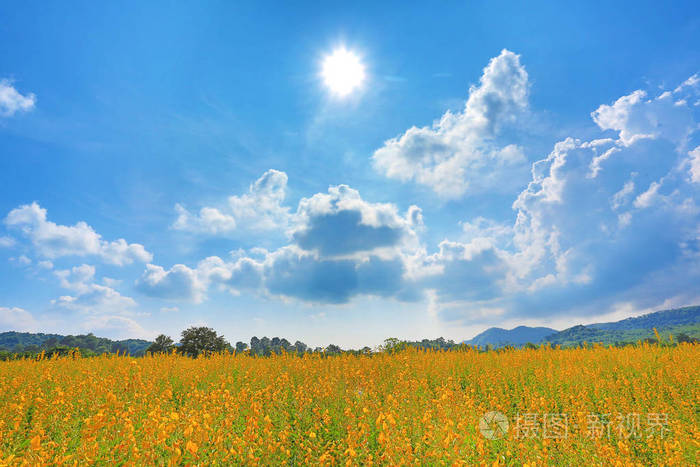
(191, 284)
(694, 167)
(17, 319)
(601, 222)
(90, 298)
(116, 327)
(482, 227)
(689, 83)
(622, 196)
(342, 246)
(259, 209)
(341, 223)
(177, 283)
(11, 101)
(24, 260)
(598, 160)
(97, 299)
(459, 154)
(646, 199)
(7, 242)
(209, 220)
(585, 239)
(636, 117)
(169, 309)
(54, 241)
(77, 278)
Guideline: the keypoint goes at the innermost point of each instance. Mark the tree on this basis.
(241, 347)
(163, 344)
(683, 337)
(333, 350)
(197, 340)
(300, 347)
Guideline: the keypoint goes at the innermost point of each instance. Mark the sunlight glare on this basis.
(342, 72)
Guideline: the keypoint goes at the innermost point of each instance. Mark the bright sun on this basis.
(342, 72)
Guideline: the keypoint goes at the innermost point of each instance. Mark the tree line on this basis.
(196, 341)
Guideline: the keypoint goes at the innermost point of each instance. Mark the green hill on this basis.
(676, 321)
(27, 342)
(683, 322)
(498, 337)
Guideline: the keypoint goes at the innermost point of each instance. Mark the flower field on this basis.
(632, 405)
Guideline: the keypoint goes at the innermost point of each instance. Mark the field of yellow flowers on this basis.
(637, 404)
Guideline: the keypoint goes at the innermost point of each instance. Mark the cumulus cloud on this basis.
(17, 319)
(473, 271)
(341, 246)
(635, 117)
(341, 223)
(11, 101)
(601, 222)
(459, 154)
(53, 241)
(97, 298)
(177, 283)
(293, 273)
(258, 210)
(90, 297)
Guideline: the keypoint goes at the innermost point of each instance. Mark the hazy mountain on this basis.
(498, 337)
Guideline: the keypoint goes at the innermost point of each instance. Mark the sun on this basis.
(342, 72)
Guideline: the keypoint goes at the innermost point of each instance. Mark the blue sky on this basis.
(170, 164)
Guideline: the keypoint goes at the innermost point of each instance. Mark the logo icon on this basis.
(493, 425)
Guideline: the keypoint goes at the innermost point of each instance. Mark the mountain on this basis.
(498, 337)
(36, 342)
(676, 321)
(660, 320)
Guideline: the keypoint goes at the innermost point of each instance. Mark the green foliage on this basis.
(265, 346)
(163, 344)
(202, 340)
(574, 336)
(26, 343)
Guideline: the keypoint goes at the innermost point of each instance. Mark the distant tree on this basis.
(33, 348)
(162, 344)
(241, 347)
(333, 350)
(300, 347)
(50, 342)
(683, 337)
(265, 346)
(255, 346)
(391, 344)
(198, 340)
